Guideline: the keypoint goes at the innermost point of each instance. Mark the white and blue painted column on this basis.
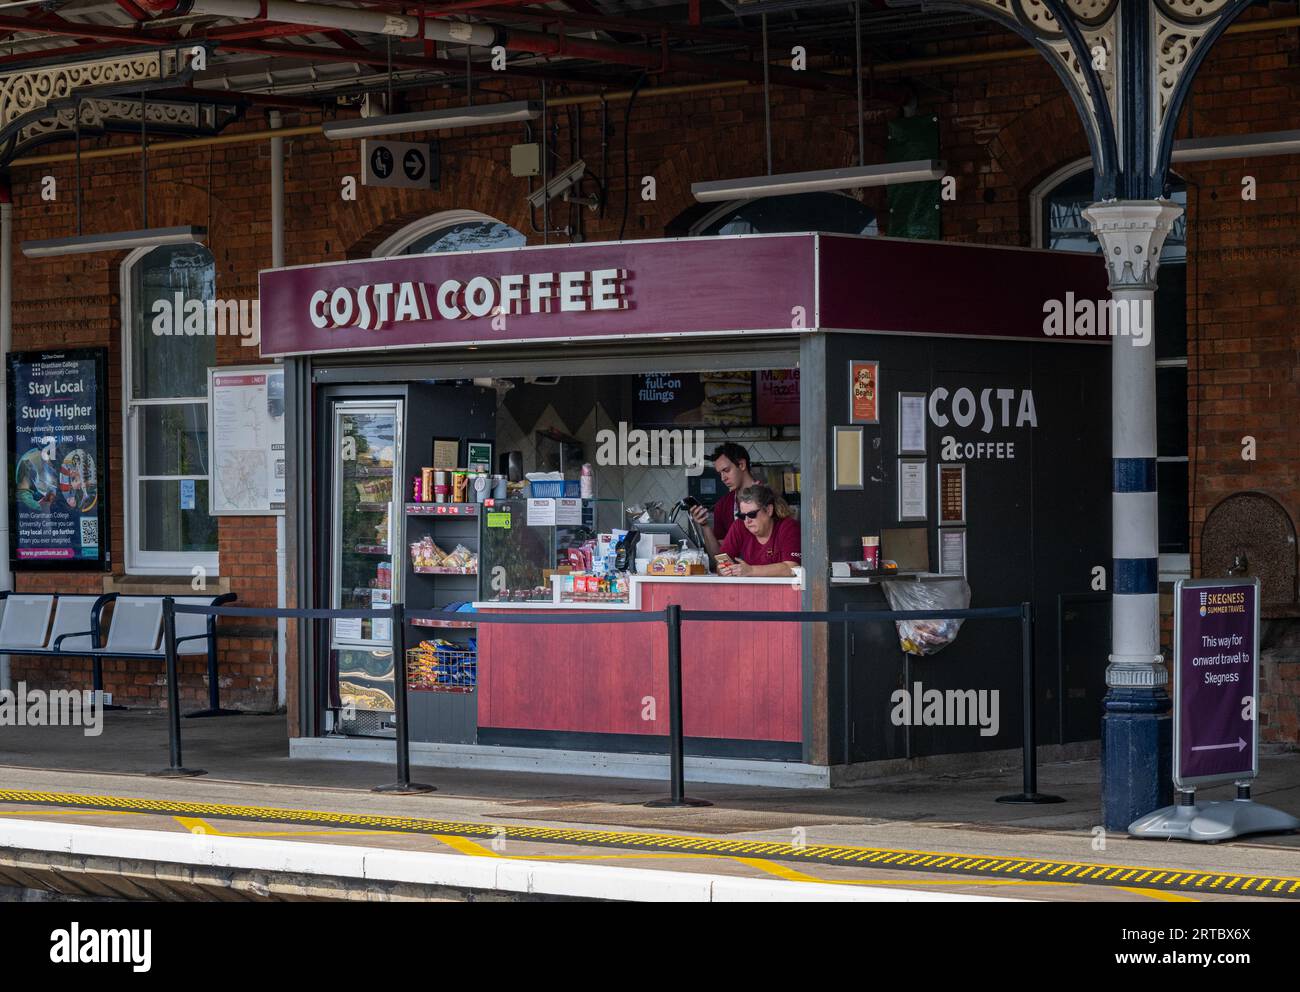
(1136, 728)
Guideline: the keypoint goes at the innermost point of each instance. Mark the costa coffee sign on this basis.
(372, 307)
(715, 286)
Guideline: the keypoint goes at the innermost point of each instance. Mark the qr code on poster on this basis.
(89, 532)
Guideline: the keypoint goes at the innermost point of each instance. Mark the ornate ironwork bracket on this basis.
(41, 104)
(1128, 65)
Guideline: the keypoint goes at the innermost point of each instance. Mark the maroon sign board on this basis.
(1216, 681)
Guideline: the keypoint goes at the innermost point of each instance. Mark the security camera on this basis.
(562, 185)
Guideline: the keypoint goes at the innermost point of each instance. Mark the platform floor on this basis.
(940, 834)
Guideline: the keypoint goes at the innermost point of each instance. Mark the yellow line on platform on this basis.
(472, 837)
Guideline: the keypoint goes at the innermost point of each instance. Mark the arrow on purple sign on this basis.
(1240, 746)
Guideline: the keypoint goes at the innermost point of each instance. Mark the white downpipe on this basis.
(6, 343)
(281, 569)
(368, 21)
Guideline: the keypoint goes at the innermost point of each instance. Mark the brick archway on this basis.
(740, 151)
(474, 183)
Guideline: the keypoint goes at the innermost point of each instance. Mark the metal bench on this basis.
(134, 631)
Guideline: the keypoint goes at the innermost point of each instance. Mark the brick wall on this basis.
(1005, 127)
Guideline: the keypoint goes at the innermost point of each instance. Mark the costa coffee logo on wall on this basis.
(992, 408)
(376, 305)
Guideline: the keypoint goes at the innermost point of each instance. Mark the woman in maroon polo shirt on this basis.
(768, 543)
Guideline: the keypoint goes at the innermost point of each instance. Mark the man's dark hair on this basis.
(736, 453)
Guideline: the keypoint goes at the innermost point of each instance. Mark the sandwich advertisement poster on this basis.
(693, 399)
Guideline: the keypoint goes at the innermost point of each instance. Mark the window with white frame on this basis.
(1057, 208)
(165, 372)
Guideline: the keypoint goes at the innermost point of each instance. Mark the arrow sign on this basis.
(1216, 681)
(1240, 746)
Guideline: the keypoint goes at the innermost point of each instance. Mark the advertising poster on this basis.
(246, 406)
(864, 392)
(778, 397)
(1216, 638)
(58, 513)
(694, 399)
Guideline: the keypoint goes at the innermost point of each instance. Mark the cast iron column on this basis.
(1136, 729)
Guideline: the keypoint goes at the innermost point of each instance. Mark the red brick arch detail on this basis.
(1035, 145)
(468, 183)
(741, 151)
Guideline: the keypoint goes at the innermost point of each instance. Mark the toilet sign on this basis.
(1216, 681)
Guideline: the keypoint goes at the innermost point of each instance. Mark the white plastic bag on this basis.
(922, 637)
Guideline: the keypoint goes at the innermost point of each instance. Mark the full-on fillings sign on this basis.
(1216, 638)
(58, 513)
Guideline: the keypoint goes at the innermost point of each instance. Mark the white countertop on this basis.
(634, 591)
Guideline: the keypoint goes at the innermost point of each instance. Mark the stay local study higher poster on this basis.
(58, 506)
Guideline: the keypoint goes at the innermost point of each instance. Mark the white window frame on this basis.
(1171, 566)
(136, 560)
(396, 244)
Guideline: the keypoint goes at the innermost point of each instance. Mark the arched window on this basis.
(167, 350)
(1057, 208)
(832, 212)
(452, 230)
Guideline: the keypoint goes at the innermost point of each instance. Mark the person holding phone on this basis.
(765, 539)
(731, 462)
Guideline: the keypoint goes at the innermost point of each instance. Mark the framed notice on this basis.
(446, 452)
(849, 468)
(1216, 668)
(911, 423)
(952, 494)
(864, 392)
(478, 454)
(58, 421)
(246, 431)
(952, 551)
(911, 489)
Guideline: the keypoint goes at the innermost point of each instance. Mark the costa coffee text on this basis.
(373, 306)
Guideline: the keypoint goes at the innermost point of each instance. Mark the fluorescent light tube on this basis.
(921, 170)
(432, 120)
(81, 244)
(1237, 146)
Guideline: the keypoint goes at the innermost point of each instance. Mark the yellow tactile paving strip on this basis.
(1128, 877)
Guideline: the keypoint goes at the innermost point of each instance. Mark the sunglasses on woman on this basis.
(751, 515)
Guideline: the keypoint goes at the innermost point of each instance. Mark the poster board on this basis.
(58, 465)
(1216, 681)
(246, 435)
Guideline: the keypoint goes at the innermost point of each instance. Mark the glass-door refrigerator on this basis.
(366, 530)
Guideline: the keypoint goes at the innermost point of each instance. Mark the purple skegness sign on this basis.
(1215, 681)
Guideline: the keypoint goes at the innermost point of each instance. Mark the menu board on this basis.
(58, 510)
(777, 397)
(246, 430)
(693, 399)
(952, 494)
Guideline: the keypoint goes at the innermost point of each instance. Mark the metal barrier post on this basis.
(403, 786)
(676, 738)
(176, 769)
(1030, 794)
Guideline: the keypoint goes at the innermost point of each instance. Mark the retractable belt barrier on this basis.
(673, 617)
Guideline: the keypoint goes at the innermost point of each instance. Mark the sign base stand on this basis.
(1210, 822)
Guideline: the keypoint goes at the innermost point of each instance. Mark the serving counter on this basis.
(605, 686)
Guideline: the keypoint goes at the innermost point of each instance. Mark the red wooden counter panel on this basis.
(740, 680)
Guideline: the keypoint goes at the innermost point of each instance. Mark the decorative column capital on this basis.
(1131, 233)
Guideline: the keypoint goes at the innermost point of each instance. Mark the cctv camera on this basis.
(558, 185)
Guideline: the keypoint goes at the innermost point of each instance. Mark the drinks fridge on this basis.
(365, 531)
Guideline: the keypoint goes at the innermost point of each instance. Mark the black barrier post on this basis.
(176, 769)
(403, 786)
(1029, 688)
(676, 739)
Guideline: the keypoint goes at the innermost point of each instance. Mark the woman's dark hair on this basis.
(762, 496)
(736, 453)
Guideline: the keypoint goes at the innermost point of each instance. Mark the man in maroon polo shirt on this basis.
(731, 461)
(766, 539)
